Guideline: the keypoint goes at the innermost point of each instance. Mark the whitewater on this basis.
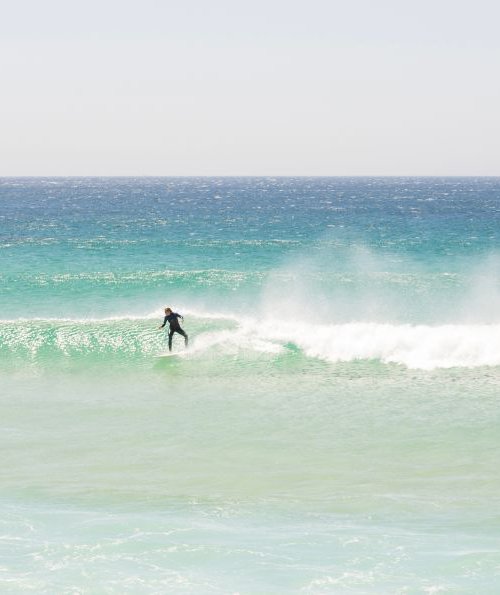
(333, 427)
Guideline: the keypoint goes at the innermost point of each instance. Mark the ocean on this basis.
(334, 426)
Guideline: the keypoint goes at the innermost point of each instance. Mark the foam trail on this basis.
(415, 346)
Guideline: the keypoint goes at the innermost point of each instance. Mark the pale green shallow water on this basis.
(251, 486)
(334, 427)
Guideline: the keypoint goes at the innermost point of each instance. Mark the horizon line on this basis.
(66, 176)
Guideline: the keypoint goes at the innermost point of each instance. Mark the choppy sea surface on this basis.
(334, 426)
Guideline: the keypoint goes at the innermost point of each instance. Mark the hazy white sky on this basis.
(261, 87)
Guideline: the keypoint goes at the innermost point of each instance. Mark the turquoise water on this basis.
(333, 428)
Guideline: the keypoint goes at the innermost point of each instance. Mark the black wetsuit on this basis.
(175, 327)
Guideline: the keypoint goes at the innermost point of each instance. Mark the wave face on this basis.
(333, 427)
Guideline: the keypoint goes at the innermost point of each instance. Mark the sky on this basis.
(225, 87)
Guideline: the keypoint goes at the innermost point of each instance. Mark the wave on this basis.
(413, 346)
(225, 277)
(126, 336)
(203, 277)
(36, 339)
(100, 242)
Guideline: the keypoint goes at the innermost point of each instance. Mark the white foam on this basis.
(415, 346)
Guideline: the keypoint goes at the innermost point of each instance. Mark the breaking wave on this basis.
(423, 347)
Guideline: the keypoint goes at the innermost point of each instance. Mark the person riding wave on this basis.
(174, 327)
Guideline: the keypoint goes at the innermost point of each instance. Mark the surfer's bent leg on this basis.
(184, 334)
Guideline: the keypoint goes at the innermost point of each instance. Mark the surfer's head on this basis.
(168, 310)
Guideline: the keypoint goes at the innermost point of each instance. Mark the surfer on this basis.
(173, 319)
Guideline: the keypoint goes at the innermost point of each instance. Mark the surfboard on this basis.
(171, 354)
